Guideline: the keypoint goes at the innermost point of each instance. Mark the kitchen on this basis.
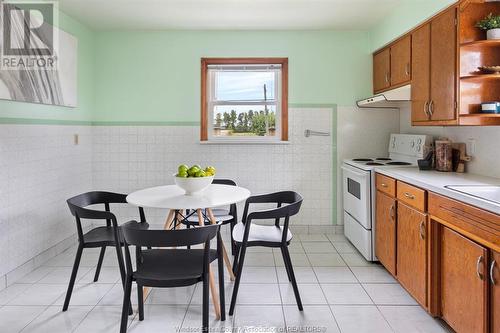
(383, 248)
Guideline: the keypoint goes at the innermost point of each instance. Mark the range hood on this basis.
(391, 99)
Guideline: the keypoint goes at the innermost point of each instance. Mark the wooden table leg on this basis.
(229, 266)
(169, 220)
(213, 290)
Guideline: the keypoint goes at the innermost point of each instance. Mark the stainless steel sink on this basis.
(485, 192)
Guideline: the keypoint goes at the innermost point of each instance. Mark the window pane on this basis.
(238, 120)
(244, 85)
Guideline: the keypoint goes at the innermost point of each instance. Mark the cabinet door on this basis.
(494, 270)
(400, 61)
(421, 70)
(385, 232)
(412, 252)
(382, 70)
(444, 66)
(463, 283)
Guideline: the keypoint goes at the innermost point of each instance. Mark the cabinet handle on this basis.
(409, 195)
(478, 267)
(431, 108)
(422, 230)
(391, 212)
(492, 271)
(383, 185)
(408, 69)
(387, 77)
(426, 109)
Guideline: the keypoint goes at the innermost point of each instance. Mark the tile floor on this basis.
(341, 292)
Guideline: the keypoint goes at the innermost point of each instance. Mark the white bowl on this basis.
(193, 185)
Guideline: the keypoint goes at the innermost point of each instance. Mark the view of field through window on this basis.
(245, 103)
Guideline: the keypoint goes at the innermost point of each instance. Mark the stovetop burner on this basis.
(383, 159)
(398, 163)
(362, 160)
(374, 163)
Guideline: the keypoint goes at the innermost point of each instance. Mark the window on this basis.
(244, 99)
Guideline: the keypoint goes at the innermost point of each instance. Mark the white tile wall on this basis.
(129, 158)
(486, 158)
(40, 167)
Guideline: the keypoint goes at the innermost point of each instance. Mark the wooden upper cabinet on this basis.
(401, 61)
(443, 83)
(421, 71)
(494, 275)
(382, 70)
(412, 252)
(385, 232)
(464, 283)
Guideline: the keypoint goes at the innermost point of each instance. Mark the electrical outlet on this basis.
(76, 139)
(471, 146)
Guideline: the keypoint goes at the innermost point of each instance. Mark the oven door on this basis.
(357, 194)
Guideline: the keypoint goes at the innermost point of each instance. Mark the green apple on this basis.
(193, 170)
(182, 168)
(183, 174)
(201, 173)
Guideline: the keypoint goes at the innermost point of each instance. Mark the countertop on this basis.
(436, 181)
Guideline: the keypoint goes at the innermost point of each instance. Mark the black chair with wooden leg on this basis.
(247, 234)
(100, 237)
(170, 268)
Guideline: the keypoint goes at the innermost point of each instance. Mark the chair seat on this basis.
(163, 265)
(260, 233)
(102, 236)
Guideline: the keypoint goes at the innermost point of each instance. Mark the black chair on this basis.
(102, 237)
(222, 216)
(168, 268)
(248, 234)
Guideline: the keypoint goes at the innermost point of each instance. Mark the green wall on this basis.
(11, 111)
(403, 18)
(155, 76)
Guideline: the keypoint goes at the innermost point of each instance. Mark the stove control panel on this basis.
(411, 145)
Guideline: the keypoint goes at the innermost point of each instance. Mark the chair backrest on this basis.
(133, 235)
(78, 208)
(224, 182)
(292, 201)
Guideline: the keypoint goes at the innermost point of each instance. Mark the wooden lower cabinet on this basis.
(412, 252)
(463, 283)
(494, 275)
(385, 231)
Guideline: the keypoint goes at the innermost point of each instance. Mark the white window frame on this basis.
(211, 101)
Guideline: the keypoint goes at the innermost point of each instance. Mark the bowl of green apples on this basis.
(194, 179)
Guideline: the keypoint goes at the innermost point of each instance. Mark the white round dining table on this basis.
(174, 199)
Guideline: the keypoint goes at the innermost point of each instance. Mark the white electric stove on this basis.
(358, 182)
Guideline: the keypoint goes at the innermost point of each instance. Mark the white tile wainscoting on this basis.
(128, 158)
(40, 167)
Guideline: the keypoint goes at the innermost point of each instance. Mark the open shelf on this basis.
(481, 77)
(480, 119)
(489, 43)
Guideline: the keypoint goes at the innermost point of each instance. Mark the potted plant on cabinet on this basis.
(491, 24)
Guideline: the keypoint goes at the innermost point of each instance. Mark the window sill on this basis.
(244, 143)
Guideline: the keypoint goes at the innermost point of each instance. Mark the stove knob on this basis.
(413, 144)
(419, 141)
(419, 147)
